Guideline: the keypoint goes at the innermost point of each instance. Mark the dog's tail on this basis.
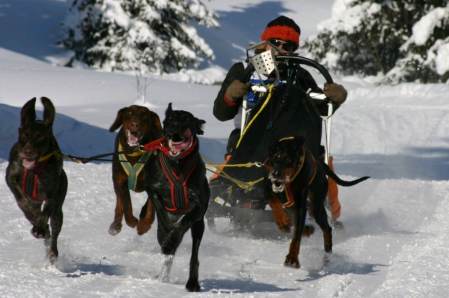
(337, 179)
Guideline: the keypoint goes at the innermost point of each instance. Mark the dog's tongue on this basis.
(28, 163)
(132, 140)
(177, 147)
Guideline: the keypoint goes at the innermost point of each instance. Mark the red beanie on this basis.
(282, 28)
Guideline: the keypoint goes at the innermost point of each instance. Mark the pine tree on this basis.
(425, 55)
(147, 35)
(371, 37)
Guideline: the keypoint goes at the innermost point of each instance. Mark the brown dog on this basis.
(293, 175)
(35, 174)
(138, 125)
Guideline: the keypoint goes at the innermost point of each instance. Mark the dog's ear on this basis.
(28, 113)
(118, 120)
(157, 131)
(49, 111)
(198, 126)
(169, 110)
(155, 123)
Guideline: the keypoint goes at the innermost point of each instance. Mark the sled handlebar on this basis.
(309, 62)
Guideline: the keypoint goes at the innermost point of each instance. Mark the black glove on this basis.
(236, 90)
(335, 92)
(240, 84)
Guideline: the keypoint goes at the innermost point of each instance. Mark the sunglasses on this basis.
(282, 44)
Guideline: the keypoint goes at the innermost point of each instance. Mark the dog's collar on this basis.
(162, 146)
(300, 165)
(136, 153)
(47, 156)
(288, 188)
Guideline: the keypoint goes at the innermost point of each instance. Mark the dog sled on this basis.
(237, 190)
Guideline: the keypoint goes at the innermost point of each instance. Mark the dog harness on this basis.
(179, 190)
(132, 171)
(30, 178)
(288, 188)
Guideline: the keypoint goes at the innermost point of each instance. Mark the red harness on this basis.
(30, 177)
(30, 184)
(160, 145)
(179, 190)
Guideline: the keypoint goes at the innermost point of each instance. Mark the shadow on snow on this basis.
(239, 286)
(79, 138)
(243, 26)
(423, 163)
(37, 26)
(341, 265)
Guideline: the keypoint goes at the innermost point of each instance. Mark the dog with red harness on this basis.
(35, 174)
(176, 181)
(293, 175)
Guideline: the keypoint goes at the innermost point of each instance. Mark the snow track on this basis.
(394, 242)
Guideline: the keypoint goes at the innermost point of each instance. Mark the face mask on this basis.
(261, 59)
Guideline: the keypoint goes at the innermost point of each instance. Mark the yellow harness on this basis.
(133, 171)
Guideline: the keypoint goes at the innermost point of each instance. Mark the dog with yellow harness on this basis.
(138, 125)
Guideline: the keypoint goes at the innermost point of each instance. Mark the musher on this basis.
(289, 111)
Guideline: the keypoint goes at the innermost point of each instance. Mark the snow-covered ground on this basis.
(395, 241)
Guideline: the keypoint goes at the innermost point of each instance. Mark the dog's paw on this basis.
(308, 230)
(40, 232)
(52, 255)
(132, 222)
(291, 261)
(115, 228)
(281, 218)
(284, 226)
(143, 227)
(193, 285)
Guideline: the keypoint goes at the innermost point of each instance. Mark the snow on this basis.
(423, 29)
(346, 17)
(441, 61)
(114, 13)
(395, 240)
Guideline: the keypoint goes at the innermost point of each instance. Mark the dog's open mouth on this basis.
(133, 138)
(277, 185)
(277, 182)
(28, 162)
(180, 143)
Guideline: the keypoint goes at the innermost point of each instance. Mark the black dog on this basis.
(138, 125)
(293, 175)
(35, 174)
(177, 183)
